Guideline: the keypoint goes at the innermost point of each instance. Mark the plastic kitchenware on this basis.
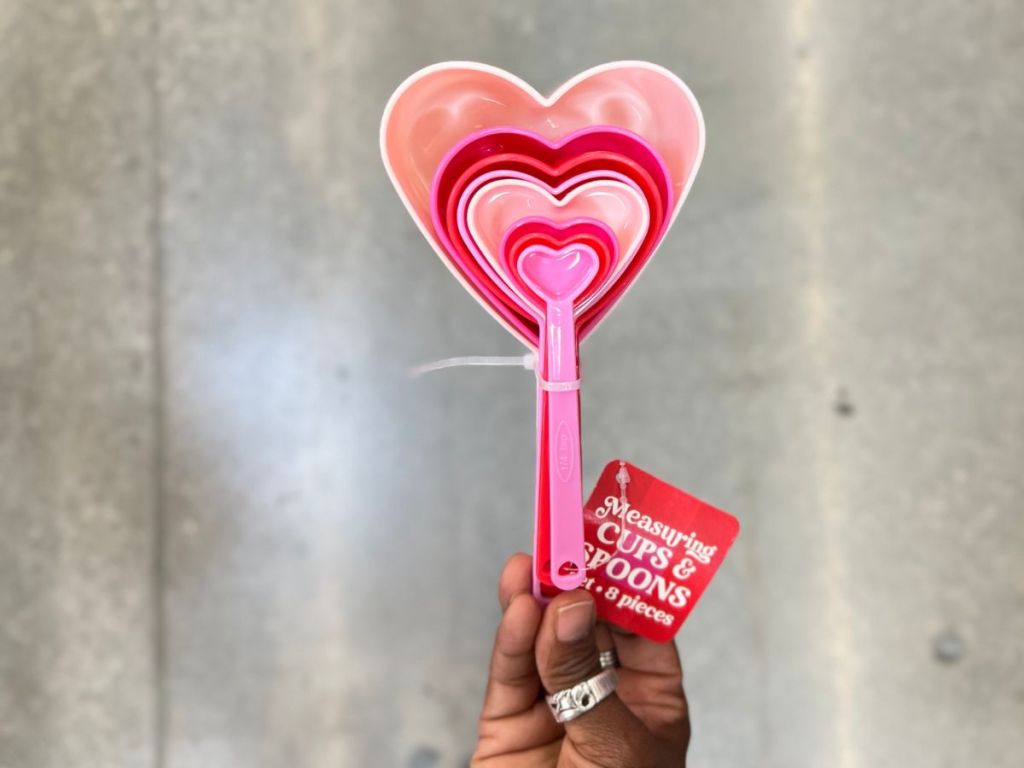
(451, 236)
(540, 228)
(461, 141)
(540, 231)
(440, 105)
(553, 164)
(550, 508)
(500, 204)
(537, 231)
(559, 277)
(493, 211)
(490, 197)
(599, 144)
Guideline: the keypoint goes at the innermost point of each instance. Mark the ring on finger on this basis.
(608, 659)
(570, 703)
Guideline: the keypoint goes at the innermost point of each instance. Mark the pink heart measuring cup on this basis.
(555, 285)
(559, 539)
(438, 106)
(595, 149)
(500, 202)
(540, 231)
(553, 263)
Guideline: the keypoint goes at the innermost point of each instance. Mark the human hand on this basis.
(644, 724)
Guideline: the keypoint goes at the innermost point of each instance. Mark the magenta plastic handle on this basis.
(563, 433)
(558, 277)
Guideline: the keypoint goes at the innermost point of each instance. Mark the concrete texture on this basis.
(827, 345)
(78, 658)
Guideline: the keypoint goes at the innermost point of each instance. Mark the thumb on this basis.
(567, 654)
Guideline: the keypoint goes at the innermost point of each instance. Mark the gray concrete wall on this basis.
(233, 532)
(79, 682)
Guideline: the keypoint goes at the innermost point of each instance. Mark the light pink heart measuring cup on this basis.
(485, 233)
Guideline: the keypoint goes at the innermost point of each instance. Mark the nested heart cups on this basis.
(546, 210)
(450, 124)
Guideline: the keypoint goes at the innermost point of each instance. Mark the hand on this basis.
(645, 723)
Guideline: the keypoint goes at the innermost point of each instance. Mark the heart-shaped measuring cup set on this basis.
(546, 210)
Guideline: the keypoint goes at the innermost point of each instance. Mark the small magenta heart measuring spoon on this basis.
(558, 278)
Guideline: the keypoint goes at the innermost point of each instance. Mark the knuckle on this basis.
(567, 669)
(604, 748)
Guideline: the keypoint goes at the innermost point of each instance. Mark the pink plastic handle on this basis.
(565, 481)
(559, 277)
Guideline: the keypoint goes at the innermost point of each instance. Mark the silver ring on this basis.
(608, 659)
(581, 698)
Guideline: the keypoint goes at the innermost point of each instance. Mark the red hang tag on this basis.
(651, 550)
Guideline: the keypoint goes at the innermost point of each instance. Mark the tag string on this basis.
(622, 478)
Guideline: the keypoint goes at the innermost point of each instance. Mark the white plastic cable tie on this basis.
(558, 386)
(523, 361)
(527, 361)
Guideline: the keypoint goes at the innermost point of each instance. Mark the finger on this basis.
(531, 736)
(516, 577)
(643, 655)
(651, 685)
(544, 754)
(567, 654)
(513, 684)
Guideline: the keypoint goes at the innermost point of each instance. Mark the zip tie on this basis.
(523, 361)
(557, 386)
(527, 361)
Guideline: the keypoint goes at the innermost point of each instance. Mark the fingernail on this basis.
(574, 621)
